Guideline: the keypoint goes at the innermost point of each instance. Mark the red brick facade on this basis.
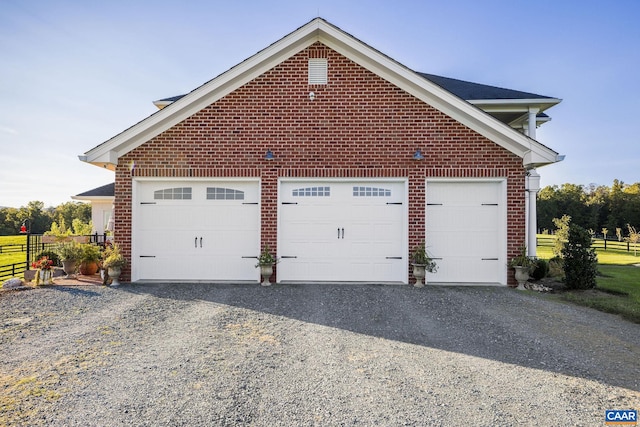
(358, 125)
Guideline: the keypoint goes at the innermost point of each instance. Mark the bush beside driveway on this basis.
(203, 354)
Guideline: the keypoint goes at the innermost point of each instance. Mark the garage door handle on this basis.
(339, 233)
(196, 242)
(489, 204)
(489, 259)
(201, 242)
(288, 257)
(394, 257)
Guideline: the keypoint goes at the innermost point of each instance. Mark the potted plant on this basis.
(113, 262)
(266, 261)
(422, 263)
(523, 265)
(89, 259)
(44, 274)
(70, 254)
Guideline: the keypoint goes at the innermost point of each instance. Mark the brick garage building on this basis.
(339, 159)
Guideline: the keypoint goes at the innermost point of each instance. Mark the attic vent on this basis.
(317, 71)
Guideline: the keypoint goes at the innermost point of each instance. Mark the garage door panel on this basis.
(464, 229)
(199, 238)
(348, 234)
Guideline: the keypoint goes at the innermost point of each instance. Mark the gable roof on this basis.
(318, 30)
(103, 192)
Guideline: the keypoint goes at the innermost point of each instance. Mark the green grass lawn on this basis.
(618, 292)
(618, 285)
(12, 257)
(604, 257)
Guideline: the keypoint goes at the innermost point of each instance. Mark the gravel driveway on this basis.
(205, 354)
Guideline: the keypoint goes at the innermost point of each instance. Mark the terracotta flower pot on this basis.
(88, 268)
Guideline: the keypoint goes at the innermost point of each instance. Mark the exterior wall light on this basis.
(269, 155)
(312, 96)
(418, 155)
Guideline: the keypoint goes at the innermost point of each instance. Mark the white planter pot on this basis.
(419, 273)
(69, 267)
(522, 276)
(114, 273)
(266, 271)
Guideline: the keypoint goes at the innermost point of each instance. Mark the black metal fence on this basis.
(12, 270)
(36, 244)
(8, 249)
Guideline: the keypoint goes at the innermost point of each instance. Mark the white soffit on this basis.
(473, 117)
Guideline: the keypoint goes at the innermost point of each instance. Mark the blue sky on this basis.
(75, 73)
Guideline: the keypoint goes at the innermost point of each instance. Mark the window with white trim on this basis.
(178, 193)
(220, 193)
(311, 192)
(371, 192)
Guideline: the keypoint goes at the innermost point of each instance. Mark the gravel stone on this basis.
(306, 355)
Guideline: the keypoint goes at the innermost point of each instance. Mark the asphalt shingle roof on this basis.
(105, 191)
(476, 91)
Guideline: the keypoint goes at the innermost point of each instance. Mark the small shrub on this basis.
(561, 235)
(541, 270)
(420, 256)
(580, 260)
(90, 253)
(556, 267)
(113, 258)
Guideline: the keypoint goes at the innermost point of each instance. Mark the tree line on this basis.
(39, 219)
(593, 207)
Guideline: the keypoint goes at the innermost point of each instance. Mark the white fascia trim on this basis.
(162, 104)
(514, 105)
(94, 198)
(520, 121)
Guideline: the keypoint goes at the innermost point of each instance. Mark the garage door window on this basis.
(311, 192)
(371, 192)
(179, 193)
(219, 193)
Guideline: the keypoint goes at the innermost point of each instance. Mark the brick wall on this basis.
(358, 126)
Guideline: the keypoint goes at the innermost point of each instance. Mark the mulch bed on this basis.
(78, 280)
(73, 280)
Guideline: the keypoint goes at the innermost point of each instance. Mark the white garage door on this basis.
(195, 230)
(466, 231)
(342, 231)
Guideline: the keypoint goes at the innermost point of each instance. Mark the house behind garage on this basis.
(338, 158)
